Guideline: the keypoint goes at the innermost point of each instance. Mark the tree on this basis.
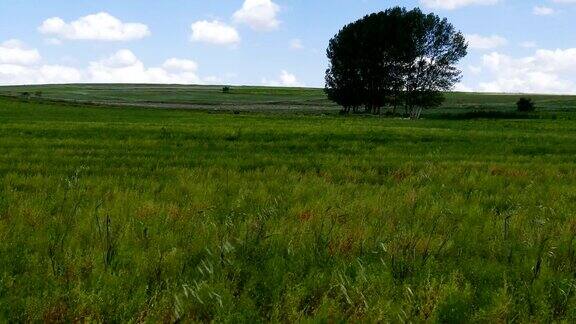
(391, 58)
(362, 70)
(343, 83)
(526, 105)
(438, 48)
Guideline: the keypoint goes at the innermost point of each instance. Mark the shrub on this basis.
(526, 105)
(226, 90)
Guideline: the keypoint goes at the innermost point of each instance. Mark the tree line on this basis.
(397, 59)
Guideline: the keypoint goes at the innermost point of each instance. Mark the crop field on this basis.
(183, 96)
(119, 213)
(255, 99)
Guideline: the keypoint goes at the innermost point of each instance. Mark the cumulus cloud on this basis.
(19, 65)
(119, 59)
(175, 64)
(260, 15)
(101, 26)
(15, 52)
(543, 11)
(455, 4)
(12, 74)
(125, 67)
(285, 79)
(214, 32)
(485, 42)
(547, 71)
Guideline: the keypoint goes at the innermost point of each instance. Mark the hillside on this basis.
(247, 98)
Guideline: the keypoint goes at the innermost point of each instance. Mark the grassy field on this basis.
(284, 100)
(184, 97)
(133, 214)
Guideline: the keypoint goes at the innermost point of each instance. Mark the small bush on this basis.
(226, 90)
(526, 105)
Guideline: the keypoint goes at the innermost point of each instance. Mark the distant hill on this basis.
(253, 98)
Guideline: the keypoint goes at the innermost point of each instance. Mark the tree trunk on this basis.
(419, 112)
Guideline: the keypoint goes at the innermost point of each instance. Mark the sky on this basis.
(514, 45)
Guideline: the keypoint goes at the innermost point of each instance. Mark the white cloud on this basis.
(212, 79)
(547, 71)
(125, 67)
(528, 44)
(296, 44)
(122, 58)
(542, 11)
(101, 26)
(289, 79)
(45, 74)
(260, 15)
(214, 32)
(460, 87)
(23, 66)
(475, 69)
(59, 74)
(15, 52)
(20, 65)
(175, 64)
(455, 4)
(286, 79)
(485, 42)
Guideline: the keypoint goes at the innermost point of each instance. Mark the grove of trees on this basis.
(397, 59)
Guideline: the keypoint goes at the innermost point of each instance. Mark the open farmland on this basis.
(254, 99)
(183, 96)
(114, 215)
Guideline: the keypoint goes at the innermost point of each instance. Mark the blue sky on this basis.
(515, 45)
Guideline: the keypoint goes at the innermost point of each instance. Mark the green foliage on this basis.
(118, 215)
(394, 58)
(525, 105)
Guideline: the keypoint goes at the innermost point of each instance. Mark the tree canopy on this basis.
(394, 58)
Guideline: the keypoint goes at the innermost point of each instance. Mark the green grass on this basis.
(265, 99)
(180, 96)
(118, 215)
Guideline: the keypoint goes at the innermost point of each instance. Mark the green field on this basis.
(261, 99)
(119, 214)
